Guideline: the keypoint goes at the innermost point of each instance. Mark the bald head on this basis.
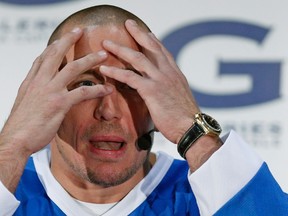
(100, 15)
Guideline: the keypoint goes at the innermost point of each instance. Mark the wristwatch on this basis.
(203, 125)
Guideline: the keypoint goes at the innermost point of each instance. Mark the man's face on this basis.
(97, 137)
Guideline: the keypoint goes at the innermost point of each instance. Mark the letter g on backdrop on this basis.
(265, 76)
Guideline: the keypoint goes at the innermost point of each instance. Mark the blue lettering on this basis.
(32, 2)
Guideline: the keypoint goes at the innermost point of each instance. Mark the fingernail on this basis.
(103, 68)
(107, 42)
(132, 22)
(109, 88)
(152, 35)
(76, 30)
(102, 53)
(56, 41)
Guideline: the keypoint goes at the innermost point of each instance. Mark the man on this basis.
(97, 93)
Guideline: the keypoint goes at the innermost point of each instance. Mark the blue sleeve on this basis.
(261, 196)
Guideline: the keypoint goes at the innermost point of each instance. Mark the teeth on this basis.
(107, 145)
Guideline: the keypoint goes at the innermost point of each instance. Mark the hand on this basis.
(43, 98)
(161, 84)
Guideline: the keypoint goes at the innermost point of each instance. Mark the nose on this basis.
(109, 107)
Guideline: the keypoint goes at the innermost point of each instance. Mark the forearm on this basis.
(13, 159)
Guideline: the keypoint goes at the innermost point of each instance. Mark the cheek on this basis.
(72, 124)
(66, 132)
(141, 116)
(137, 106)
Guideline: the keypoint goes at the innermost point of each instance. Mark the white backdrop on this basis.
(218, 33)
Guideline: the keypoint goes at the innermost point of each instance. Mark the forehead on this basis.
(93, 36)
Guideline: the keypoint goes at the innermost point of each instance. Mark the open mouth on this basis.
(108, 146)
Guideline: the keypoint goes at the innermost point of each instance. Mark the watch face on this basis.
(211, 123)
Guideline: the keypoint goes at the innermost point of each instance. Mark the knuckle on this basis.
(129, 74)
(139, 56)
(73, 67)
(38, 60)
(154, 45)
(91, 57)
(52, 50)
(169, 55)
(33, 86)
(89, 60)
(84, 91)
(56, 102)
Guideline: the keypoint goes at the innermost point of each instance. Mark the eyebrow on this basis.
(91, 72)
(94, 73)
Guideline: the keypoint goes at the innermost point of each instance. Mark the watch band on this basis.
(189, 138)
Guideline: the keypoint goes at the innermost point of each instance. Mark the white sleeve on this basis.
(8, 202)
(224, 174)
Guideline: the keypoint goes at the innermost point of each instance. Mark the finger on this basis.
(77, 67)
(129, 77)
(33, 70)
(164, 50)
(31, 74)
(141, 35)
(88, 92)
(137, 59)
(172, 63)
(51, 59)
(44, 64)
(24, 85)
(147, 41)
(157, 53)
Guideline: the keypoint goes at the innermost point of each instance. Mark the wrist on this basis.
(203, 125)
(184, 128)
(13, 159)
(14, 146)
(202, 150)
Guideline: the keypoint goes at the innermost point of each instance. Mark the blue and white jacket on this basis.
(234, 181)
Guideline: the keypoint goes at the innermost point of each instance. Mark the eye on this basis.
(81, 83)
(85, 83)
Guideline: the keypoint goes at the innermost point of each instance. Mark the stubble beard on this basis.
(107, 179)
(110, 177)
